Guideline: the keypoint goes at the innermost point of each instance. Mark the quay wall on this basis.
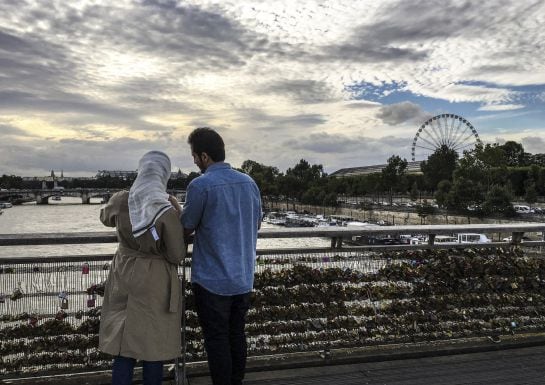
(392, 217)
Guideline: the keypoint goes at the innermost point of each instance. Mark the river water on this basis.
(69, 215)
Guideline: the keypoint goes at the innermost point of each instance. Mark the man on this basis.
(223, 208)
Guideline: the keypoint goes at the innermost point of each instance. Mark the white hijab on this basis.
(148, 199)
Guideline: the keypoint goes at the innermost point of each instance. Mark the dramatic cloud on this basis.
(89, 85)
(402, 112)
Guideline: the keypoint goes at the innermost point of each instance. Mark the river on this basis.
(69, 215)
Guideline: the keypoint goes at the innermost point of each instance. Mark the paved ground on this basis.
(523, 366)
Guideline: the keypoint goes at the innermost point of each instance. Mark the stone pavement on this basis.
(522, 366)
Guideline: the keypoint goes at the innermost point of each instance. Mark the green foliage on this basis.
(414, 193)
(441, 195)
(424, 210)
(439, 166)
(264, 176)
(11, 181)
(531, 192)
(498, 203)
(465, 195)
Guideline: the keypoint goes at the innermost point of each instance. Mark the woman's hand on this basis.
(174, 202)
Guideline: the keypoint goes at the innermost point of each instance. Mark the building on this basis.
(412, 168)
(126, 175)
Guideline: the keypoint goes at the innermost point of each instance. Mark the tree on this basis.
(439, 166)
(531, 192)
(498, 202)
(414, 193)
(300, 178)
(393, 175)
(424, 210)
(264, 176)
(441, 195)
(465, 196)
(514, 154)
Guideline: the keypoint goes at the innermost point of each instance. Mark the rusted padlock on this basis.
(85, 268)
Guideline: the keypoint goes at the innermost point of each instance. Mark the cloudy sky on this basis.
(89, 85)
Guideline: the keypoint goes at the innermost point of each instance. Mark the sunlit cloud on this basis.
(342, 84)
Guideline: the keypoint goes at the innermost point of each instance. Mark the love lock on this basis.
(16, 294)
(85, 268)
(91, 301)
(64, 303)
(2, 298)
(61, 314)
(32, 320)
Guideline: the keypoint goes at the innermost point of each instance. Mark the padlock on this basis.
(16, 294)
(91, 301)
(32, 320)
(61, 314)
(79, 314)
(64, 303)
(2, 298)
(85, 268)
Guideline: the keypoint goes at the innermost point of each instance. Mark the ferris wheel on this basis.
(448, 130)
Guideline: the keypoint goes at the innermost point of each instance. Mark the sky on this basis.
(93, 85)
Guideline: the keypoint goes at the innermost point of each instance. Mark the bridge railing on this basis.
(306, 299)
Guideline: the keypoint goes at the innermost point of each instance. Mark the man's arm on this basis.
(193, 209)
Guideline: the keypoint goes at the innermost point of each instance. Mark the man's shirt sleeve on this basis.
(193, 207)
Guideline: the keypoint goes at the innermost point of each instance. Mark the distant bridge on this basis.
(42, 196)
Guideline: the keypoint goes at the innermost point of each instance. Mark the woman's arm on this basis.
(171, 236)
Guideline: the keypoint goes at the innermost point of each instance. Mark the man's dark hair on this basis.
(205, 139)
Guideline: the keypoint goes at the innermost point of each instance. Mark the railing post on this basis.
(516, 237)
(431, 239)
(336, 242)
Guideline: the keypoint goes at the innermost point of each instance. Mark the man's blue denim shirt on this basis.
(223, 206)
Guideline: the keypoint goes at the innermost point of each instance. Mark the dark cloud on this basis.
(265, 122)
(301, 91)
(7, 130)
(404, 21)
(85, 111)
(401, 112)
(370, 52)
(326, 143)
(396, 24)
(86, 156)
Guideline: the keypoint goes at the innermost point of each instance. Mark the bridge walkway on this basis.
(521, 366)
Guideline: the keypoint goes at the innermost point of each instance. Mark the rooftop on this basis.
(412, 168)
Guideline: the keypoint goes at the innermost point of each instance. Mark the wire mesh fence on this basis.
(302, 301)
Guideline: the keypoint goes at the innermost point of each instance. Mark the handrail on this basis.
(333, 232)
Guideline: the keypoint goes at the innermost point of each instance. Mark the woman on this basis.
(141, 313)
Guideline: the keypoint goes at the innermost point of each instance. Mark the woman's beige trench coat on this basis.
(141, 313)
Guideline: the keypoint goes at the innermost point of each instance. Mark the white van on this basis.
(472, 238)
(522, 209)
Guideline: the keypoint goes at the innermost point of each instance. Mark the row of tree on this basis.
(484, 181)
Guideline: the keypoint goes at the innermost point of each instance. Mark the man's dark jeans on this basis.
(222, 319)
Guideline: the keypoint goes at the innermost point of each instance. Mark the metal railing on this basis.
(313, 299)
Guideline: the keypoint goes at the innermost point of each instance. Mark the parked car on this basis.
(523, 209)
(510, 238)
